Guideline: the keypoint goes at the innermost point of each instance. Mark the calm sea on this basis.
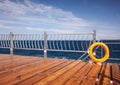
(114, 47)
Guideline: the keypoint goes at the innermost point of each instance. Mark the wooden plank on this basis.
(11, 58)
(17, 76)
(20, 66)
(4, 56)
(33, 70)
(100, 75)
(68, 74)
(5, 74)
(14, 70)
(9, 64)
(7, 57)
(78, 77)
(28, 65)
(105, 76)
(115, 74)
(92, 75)
(44, 74)
(53, 76)
(24, 66)
(36, 72)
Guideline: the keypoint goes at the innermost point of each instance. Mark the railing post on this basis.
(11, 43)
(94, 36)
(45, 45)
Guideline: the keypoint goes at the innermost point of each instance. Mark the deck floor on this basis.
(26, 70)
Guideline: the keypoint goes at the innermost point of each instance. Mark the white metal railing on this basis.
(112, 43)
(66, 42)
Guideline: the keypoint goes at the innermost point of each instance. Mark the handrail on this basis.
(64, 42)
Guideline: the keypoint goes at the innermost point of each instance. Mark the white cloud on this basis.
(108, 34)
(31, 12)
(29, 16)
(7, 27)
(50, 30)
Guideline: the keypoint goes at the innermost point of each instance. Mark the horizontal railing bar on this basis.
(55, 33)
(110, 39)
(4, 47)
(47, 49)
(112, 43)
(28, 48)
(113, 58)
(66, 50)
(78, 33)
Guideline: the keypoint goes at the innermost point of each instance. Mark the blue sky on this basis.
(36, 16)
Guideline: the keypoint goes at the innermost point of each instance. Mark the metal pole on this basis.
(94, 40)
(94, 36)
(11, 43)
(101, 51)
(45, 45)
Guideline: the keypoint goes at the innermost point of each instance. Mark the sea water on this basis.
(114, 47)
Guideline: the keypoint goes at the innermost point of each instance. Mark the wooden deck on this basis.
(25, 70)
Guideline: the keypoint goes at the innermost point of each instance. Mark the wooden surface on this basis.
(26, 70)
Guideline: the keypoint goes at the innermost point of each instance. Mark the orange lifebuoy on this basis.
(93, 57)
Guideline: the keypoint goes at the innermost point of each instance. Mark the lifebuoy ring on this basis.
(93, 57)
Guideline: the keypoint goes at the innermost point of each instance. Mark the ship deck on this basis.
(29, 70)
